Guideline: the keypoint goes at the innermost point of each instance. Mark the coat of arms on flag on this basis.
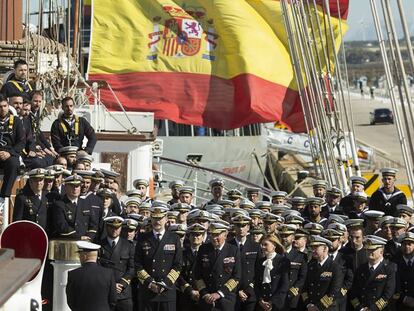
(181, 35)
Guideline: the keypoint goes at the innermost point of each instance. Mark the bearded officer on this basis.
(90, 287)
(158, 261)
(117, 254)
(217, 270)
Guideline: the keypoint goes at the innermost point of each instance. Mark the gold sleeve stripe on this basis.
(294, 291)
(200, 285)
(69, 233)
(327, 301)
(355, 302)
(142, 275)
(231, 284)
(126, 280)
(173, 276)
(381, 304)
(93, 231)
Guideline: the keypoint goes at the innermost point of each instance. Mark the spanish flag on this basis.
(216, 63)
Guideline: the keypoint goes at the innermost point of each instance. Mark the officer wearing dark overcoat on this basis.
(375, 281)
(324, 278)
(272, 275)
(72, 216)
(217, 270)
(117, 254)
(31, 203)
(405, 276)
(90, 287)
(298, 266)
(158, 262)
(249, 253)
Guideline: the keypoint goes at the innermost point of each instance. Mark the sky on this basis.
(361, 24)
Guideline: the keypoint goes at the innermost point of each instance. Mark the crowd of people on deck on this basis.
(237, 251)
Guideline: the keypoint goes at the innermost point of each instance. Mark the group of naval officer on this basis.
(325, 252)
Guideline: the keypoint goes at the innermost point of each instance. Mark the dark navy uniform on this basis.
(297, 277)
(380, 202)
(64, 134)
(392, 250)
(323, 284)
(374, 290)
(73, 221)
(345, 263)
(218, 271)
(12, 139)
(29, 206)
(158, 261)
(405, 281)
(274, 292)
(120, 260)
(186, 282)
(91, 287)
(249, 253)
(357, 257)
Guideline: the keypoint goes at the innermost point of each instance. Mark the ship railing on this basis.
(197, 176)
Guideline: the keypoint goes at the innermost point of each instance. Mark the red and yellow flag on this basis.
(222, 64)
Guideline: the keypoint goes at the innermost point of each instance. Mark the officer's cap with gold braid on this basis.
(218, 227)
(257, 230)
(373, 242)
(73, 180)
(114, 221)
(334, 191)
(105, 193)
(406, 237)
(173, 214)
(132, 201)
(130, 224)
(354, 223)
(234, 194)
(145, 206)
(159, 211)
(84, 174)
(226, 203)
(386, 220)
(256, 213)
(279, 209)
(301, 233)
(57, 168)
(37, 173)
(180, 229)
(181, 207)
(373, 215)
(196, 228)
(335, 218)
(109, 173)
(313, 228)
(272, 218)
(139, 182)
(316, 240)
(341, 228)
(331, 234)
(294, 219)
(98, 176)
(50, 174)
(252, 190)
(241, 219)
(68, 150)
(287, 229)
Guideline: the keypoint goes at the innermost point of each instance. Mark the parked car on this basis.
(381, 115)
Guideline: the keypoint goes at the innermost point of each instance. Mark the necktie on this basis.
(241, 247)
(217, 252)
(410, 263)
(159, 237)
(331, 256)
(113, 244)
(371, 270)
